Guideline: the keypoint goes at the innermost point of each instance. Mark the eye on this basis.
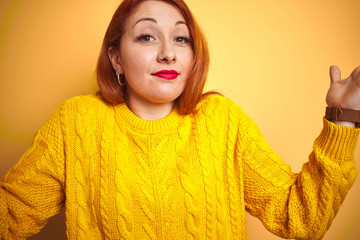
(145, 38)
(183, 40)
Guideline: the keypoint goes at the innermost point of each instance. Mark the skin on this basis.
(155, 38)
(344, 93)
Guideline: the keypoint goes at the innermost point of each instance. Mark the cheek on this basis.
(187, 60)
(136, 61)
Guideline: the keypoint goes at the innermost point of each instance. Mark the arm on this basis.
(303, 205)
(32, 191)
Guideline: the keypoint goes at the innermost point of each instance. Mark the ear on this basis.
(114, 56)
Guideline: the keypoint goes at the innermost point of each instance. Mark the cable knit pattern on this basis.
(180, 177)
(107, 138)
(192, 220)
(213, 170)
(207, 188)
(145, 184)
(123, 206)
(231, 180)
(85, 144)
(211, 179)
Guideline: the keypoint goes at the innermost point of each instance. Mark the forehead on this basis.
(157, 10)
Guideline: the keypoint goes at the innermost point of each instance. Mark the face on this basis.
(155, 54)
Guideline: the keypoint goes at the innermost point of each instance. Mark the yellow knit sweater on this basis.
(180, 177)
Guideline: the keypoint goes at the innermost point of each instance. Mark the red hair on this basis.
(109, 87)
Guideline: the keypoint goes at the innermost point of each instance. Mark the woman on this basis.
(152, 157)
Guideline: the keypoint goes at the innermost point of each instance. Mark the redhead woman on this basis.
(152, 157)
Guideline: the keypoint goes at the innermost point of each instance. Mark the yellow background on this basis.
(271, 57)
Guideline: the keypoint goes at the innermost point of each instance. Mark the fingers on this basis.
(335, 74)
(356, 72)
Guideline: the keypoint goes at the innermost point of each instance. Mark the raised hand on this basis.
(344, 93)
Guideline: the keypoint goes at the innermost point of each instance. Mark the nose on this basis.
(166, 53)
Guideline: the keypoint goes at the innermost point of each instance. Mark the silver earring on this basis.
(119, 77)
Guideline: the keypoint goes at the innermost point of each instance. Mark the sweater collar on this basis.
(125, 115)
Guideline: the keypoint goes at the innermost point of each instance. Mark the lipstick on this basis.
(167, 74)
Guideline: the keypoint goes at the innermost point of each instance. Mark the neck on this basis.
(148, 110)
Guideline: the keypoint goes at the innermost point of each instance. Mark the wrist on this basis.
(345, 123)
(343, 116)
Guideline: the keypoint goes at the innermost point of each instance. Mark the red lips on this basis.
(167, 74)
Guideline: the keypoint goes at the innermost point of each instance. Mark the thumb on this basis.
(335, 74)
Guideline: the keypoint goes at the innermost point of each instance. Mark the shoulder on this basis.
(218, 103)
(85, 101)
(85, 110)
(224, 109)
(85, 104)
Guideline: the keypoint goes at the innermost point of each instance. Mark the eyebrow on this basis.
(154, 21)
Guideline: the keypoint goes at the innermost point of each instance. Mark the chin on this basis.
(165, 98)
(162, 101)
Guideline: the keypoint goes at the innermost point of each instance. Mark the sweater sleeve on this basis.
(303, 205)
(32, 191)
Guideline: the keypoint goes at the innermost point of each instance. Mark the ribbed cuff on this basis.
(337, 142)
